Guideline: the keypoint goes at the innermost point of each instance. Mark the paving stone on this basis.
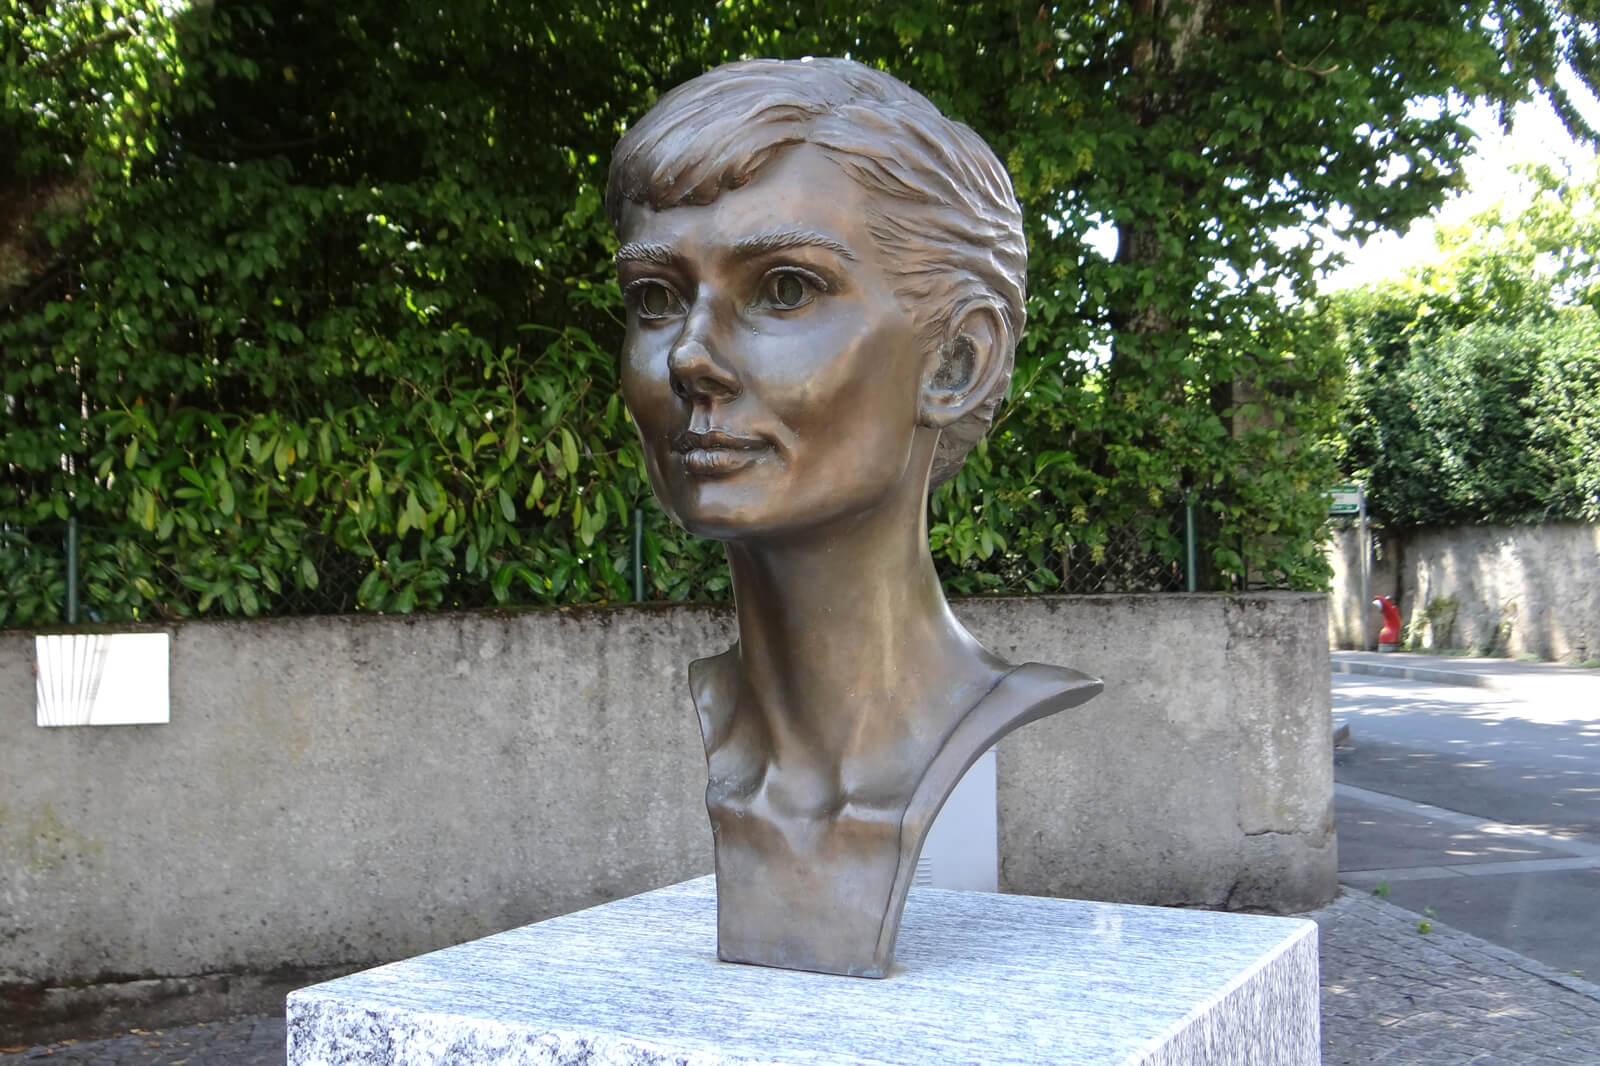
(1393, 994)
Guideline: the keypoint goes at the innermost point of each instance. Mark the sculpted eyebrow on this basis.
(659, 254)
(758, 244)
(781, 240)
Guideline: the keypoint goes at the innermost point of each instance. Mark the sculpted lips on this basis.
(713, 453)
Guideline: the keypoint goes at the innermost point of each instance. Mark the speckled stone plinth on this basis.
(981, 979)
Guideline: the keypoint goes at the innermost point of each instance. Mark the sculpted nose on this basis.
(697, 375)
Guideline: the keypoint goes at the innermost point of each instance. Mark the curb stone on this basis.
(1427, 674)
(1527, 680)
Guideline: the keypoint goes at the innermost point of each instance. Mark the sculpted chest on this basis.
(831, 878)
(809, 878)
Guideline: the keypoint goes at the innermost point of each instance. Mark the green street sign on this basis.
(1344, 500)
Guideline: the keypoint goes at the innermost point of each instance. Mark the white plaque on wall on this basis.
(102, 678)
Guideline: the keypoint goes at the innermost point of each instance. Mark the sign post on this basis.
(1343, 502)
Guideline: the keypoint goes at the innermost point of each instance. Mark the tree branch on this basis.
(83, 48)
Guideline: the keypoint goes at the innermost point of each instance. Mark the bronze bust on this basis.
(824, 279)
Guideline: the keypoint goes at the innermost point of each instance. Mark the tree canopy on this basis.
(1475, 379)
(310, 305)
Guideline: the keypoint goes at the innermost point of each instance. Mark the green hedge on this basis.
(309, 306)
(1491, 422)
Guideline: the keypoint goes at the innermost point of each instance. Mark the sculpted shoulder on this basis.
(1034, 690)
(714, 686)
(1026, 694)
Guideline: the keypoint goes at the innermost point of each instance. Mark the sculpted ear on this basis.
(970, 361)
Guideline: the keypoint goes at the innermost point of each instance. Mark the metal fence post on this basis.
(72, 571)
(638, 554)
(1365, 544)
(1191, 581)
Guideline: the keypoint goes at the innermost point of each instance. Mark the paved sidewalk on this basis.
(257, 1041)
(1393, 994)
(1390, 994)
(1575, 686)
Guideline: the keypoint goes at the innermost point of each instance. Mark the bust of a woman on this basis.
(824, 279)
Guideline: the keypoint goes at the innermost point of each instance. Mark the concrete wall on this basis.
(1202, 776)
(1345, 602)
(1504, 590)
(336, 792)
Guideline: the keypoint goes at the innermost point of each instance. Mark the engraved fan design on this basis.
(67, 677)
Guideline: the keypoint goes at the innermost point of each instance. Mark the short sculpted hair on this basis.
(943, 210)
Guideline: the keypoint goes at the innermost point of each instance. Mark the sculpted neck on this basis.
(847, 647)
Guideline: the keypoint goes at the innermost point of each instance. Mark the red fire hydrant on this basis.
(1389, 637)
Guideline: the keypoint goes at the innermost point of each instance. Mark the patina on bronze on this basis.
(824, 279)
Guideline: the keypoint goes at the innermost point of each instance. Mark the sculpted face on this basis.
(775, 377)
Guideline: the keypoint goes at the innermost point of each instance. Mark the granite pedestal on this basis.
(981, 978)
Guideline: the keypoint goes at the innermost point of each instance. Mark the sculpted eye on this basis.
(655, 299)
(788, 288)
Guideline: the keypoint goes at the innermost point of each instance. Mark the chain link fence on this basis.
(1151, 559)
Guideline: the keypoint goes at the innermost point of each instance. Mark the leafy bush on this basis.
(310, 307)
(1488, 423)
(335, 349)
(1475, 381)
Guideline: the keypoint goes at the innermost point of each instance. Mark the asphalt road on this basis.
(1476, 807)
